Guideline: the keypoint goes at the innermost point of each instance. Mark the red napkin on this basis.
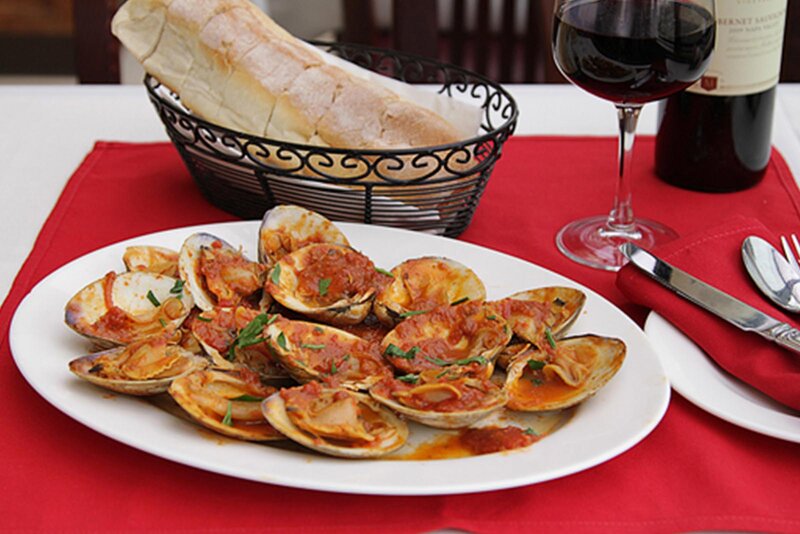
(714, 256)
(60, 476)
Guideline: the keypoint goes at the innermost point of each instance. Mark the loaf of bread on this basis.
(234, 66)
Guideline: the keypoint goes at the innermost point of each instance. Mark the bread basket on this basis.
(431, 189)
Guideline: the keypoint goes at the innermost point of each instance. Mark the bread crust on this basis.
(233, 66)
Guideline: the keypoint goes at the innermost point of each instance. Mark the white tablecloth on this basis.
(47, 130)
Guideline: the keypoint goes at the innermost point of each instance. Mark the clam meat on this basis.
(335, 421)
(449, 398)
(145, 367)
(466, 334)
(234, 337)
(287, 228)
(564, 374)
(151, 259)
(310, 351)
(331, 283)
(218, 274)
(121, 308)
(227, 402)
(422, 284)
(539, 314)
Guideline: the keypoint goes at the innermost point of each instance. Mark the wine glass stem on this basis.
(620, 221)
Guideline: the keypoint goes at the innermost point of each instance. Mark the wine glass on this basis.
(629, 52)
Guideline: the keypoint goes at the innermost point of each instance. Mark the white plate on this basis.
(698, 378)
(617, 418)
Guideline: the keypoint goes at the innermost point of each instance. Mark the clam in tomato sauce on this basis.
(428, 363)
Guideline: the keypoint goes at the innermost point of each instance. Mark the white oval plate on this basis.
(611, 422)
(698, 378)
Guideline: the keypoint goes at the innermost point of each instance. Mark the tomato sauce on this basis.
(331, 273)
(472, 442)
(228, 275)
(448, 333)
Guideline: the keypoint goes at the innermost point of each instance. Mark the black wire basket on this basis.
(431, 189)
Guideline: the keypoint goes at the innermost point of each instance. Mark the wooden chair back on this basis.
(509, 44)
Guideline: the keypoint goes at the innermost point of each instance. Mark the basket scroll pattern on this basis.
(433, 189)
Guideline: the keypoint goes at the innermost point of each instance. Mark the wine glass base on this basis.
(590, 242)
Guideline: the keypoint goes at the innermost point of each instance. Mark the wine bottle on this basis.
(717, 134)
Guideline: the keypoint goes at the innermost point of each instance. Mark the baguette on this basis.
(234, 66)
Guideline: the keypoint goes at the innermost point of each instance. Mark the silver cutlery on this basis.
(736, 312)
(777, 279)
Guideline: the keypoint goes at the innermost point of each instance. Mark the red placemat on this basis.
(693, 472)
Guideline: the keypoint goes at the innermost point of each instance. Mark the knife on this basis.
(712, 299)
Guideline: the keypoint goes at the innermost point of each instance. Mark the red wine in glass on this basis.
(628, 52)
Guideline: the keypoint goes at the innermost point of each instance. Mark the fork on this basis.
(787, 250)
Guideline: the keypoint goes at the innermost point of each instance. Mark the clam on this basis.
(151, 259)
(539, 314)
(233, 337)
(311, 351)
(218, 274)
(332, 283)
(422, 284)
(466, 334)
(121, 308)
(449, 398)
(226, 401)
(562, 375)
(287, 228)
(145, 367)
(335, 421)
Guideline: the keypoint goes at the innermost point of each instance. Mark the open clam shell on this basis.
(335, 421)
(218, 274)
(145, 367)
(121, 308)
(311, 351)
(287, 228)
(422, 284)
(554, 378)
(226, 401)
(535, 314)
(465, 334)
(234, 337)
(151, 259)
(332, 283)
(451, 398)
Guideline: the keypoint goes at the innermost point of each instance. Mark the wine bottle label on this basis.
(747, 54)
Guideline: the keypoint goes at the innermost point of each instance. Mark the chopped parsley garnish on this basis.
(281, 341)
(412, 313)
(324, 284)
(318, 330)
(228, 419)
(537, 381)
(409, 378)
(250, 334)
(163, 322)
(459, 301)
(384, 272)
(346, 357)
(531, 432)
(536, 364)
(397, 352)
(177, 289)
(440, 375)
(276, 274)
(465, 361)
(152, 298)
(491, 317)
(549, 335)
(334, 370)
(204, 319)
(247, 398)
(313, 346)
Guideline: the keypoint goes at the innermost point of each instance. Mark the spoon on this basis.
(773, 275)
